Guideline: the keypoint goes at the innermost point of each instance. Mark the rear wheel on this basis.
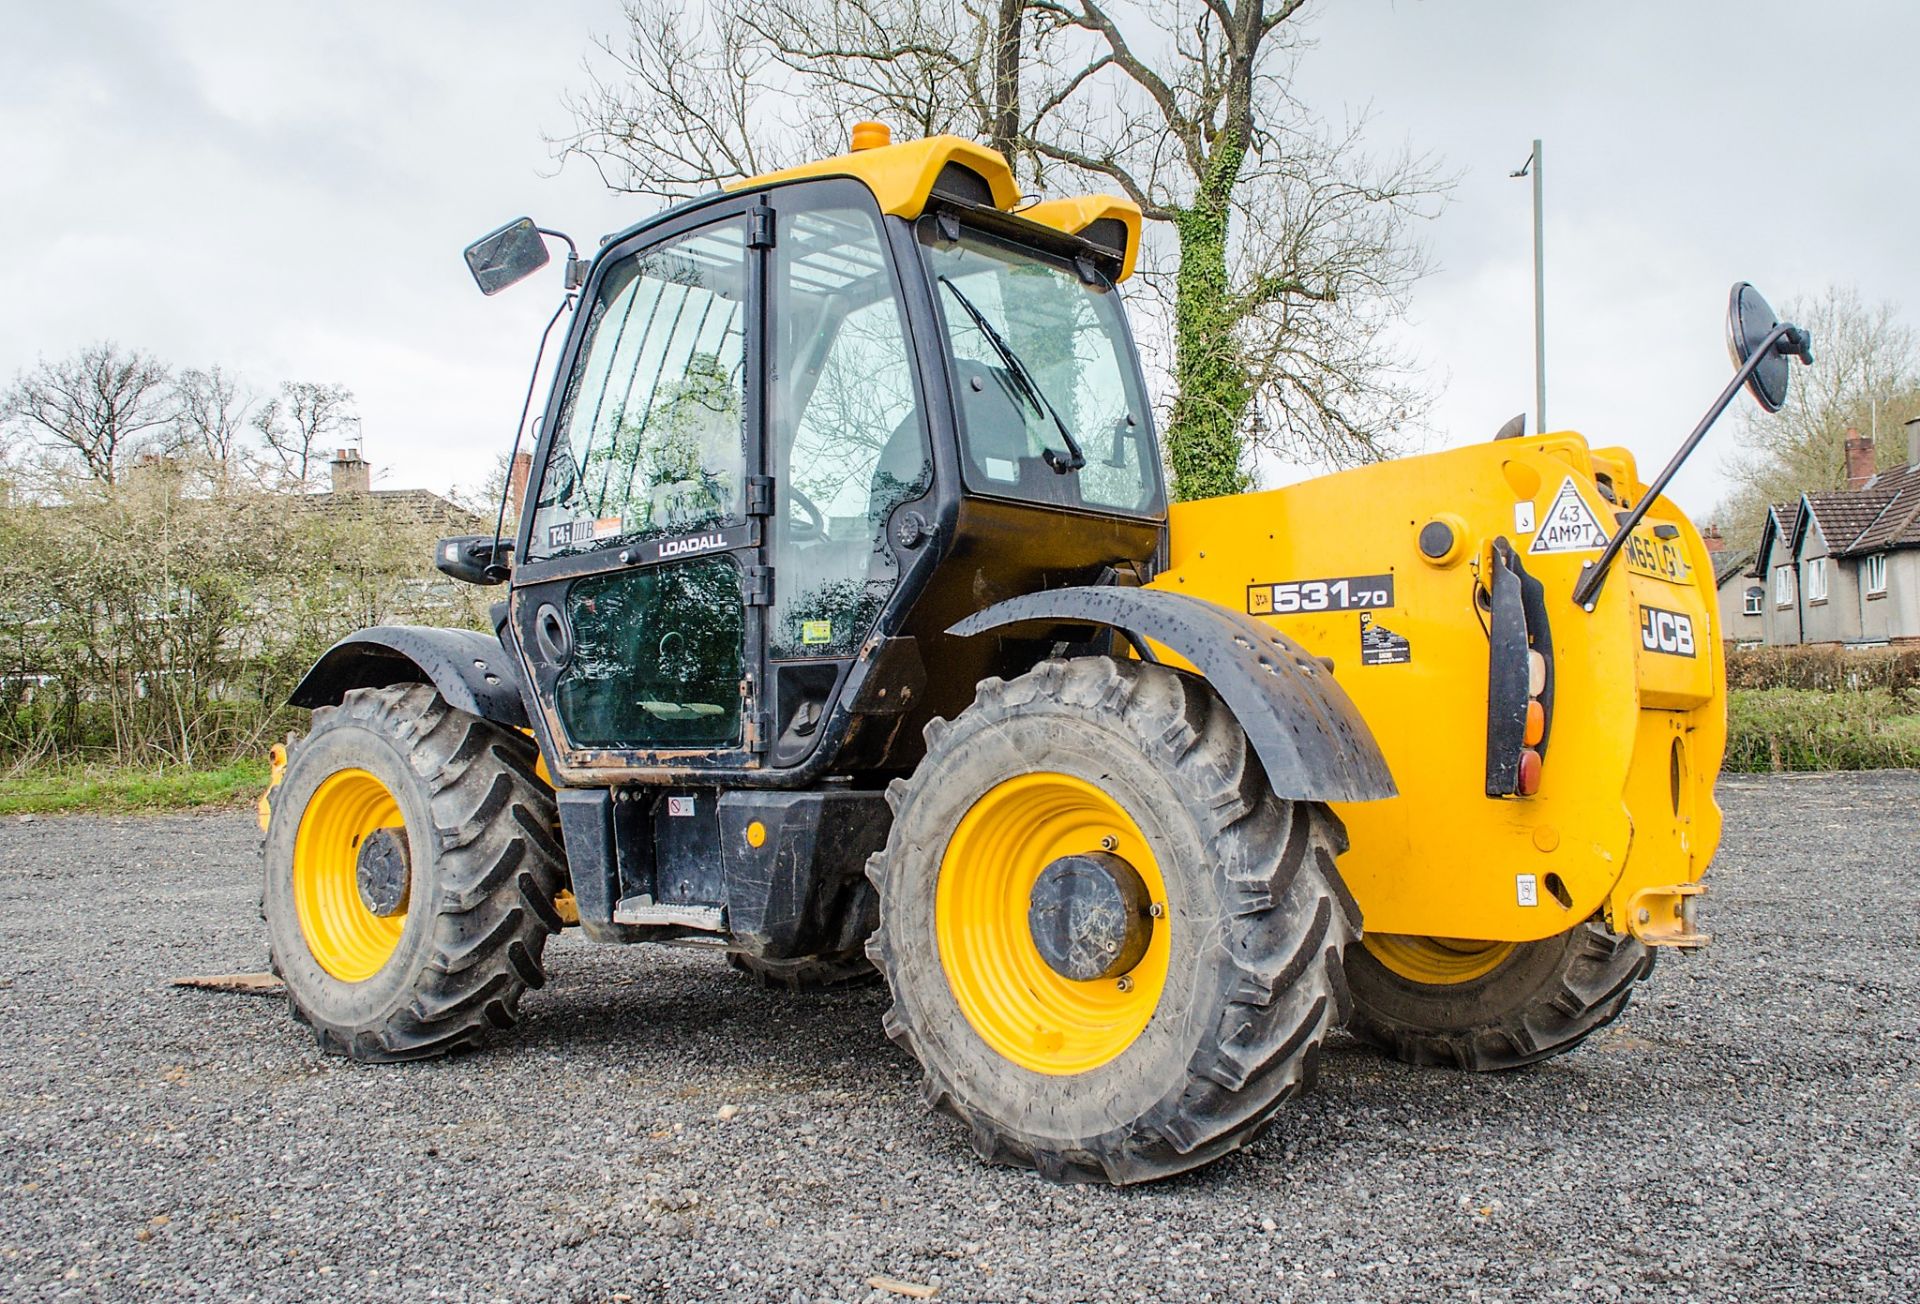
(411, 870)
(809, 973)
(1491, 1005)
(1113, 951)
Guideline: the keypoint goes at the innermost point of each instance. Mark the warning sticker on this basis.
(1380, 646)
(816, 631)
(1570, 525)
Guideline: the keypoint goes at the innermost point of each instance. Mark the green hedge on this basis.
(1827, 668)
(1806, 729)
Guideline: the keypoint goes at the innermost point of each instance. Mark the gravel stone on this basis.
(660, 1129)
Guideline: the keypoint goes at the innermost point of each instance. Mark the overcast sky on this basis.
(286, 189)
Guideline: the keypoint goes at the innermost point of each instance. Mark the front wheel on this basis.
(1491, 1005)
(1112, 949)
(411, 870)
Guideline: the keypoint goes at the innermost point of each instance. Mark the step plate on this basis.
(644, 912)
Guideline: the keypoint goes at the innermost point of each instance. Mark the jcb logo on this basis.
(1670, 632)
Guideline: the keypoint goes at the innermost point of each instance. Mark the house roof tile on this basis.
(1842, 514)
(384, 504)
(1735, 561)
(1897, 522)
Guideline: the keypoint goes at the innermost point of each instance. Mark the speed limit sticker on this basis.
(1343, 593)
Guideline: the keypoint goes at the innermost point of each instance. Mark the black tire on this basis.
(809, 973)
(1542, 1000)
(1259, 920)
(484, 870)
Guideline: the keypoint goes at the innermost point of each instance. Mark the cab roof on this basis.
(905, 178)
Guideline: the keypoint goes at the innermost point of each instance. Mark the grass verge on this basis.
(103, 789)
(1804, 729)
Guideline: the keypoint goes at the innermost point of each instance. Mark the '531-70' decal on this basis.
(1345, 593)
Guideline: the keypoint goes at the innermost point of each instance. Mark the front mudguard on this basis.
(470, 669)
(1303, 726)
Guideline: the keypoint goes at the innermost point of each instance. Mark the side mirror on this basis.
(471, 558)
(507, 256)
(1750, 326)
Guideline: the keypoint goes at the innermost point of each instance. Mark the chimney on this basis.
(1913, 441)
(1711, 537)
(1859, 459)
(351, 475)
(517, 484)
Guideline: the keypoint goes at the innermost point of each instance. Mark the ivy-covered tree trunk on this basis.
(1212, 387)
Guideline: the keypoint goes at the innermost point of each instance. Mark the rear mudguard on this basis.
(470, 669)
(1303, 726)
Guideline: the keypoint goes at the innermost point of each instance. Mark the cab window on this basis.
(651, 439)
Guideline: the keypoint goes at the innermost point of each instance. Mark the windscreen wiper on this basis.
(1029, 388)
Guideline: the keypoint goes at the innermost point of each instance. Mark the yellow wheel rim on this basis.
(1020, 1006)
(1438, 961)
(348, 940)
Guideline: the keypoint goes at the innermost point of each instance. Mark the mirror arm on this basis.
(1587, 591)
(575, 274)
(498, 570)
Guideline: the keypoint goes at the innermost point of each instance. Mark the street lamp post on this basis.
(1535, 167)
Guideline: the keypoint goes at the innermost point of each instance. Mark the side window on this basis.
(651, 436)
(1068, 335)
(847, 438)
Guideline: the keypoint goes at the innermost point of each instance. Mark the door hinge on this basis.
(759, 495)
(757, 586)
(760, 736)
(760, 227)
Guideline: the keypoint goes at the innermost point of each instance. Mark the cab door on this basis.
(639, 587)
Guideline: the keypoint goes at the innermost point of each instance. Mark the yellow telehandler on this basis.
(848, 629)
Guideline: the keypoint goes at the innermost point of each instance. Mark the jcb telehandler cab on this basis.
(847, 627)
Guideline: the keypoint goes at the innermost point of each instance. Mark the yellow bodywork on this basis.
(1625, 817)
(901, 178)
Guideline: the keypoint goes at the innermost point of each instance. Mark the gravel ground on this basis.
(659, 1128)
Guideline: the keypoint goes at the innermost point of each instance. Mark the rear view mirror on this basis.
(1750, 323)
(507, 256)
(473, 558)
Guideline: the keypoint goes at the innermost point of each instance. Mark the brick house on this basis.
(1843, 565)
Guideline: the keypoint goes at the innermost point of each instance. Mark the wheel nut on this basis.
(1124, 983)
(1157, 911)
(1109, 842)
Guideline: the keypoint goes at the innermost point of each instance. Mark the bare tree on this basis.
(1289, 247)
(97, 406)
(1867, 376)
(210, 411)
(298, 425)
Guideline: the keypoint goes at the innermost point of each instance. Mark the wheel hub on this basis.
(1090, 916)
(384, 871)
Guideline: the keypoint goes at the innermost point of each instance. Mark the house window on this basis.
(1817, 579)
(1877, 573)
(1755, 596)
(1783, 586)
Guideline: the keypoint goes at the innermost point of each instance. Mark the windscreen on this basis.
(1049, 393)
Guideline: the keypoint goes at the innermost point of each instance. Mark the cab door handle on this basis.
(550, 634)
